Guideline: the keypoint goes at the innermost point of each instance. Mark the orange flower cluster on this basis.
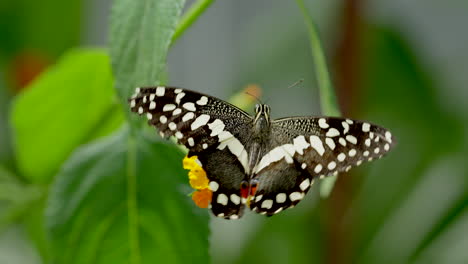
(198, 180)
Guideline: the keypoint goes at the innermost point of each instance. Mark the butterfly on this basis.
(254, 161)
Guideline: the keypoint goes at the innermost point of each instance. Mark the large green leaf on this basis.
(123, 200)
(94, 216)
(141, 32)
(62, 109)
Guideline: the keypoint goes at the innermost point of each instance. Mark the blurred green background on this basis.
(401, 64)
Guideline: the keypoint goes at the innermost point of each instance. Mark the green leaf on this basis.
(141, 32)
(90, 212)
(61, 110)
(190, 17)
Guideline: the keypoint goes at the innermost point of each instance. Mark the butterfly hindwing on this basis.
(281, 186)
(225, 174)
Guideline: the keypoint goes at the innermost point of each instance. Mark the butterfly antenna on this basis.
(296, 83)
(254, 96)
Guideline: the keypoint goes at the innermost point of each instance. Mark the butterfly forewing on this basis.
(305, 148)
(211, 129)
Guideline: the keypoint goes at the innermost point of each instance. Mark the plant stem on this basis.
(328, 100)
(190, 16)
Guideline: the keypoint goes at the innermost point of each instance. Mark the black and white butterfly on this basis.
(268, 165)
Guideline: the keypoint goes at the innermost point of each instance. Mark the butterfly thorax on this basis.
(260, 135)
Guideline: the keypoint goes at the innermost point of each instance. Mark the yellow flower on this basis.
(198, 181)
(202, 198)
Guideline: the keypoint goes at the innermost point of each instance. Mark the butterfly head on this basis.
(262, 117)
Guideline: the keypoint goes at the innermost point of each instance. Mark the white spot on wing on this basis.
(235, 199)
(179, 97)
(200, 121)
(179, 135)
(222, 199)
(216, 127)
(386, 147)
(388, 136)
(330, 143)
(341, 157)
(300, 144)
(234, 217)
(190, 142)
(345, 126)
(304, 184)
(331, 165)
(267, 204)
(352, 153)
(332, 132)
(188, 116)
(177, 111)
(365, 127)
(189, 106)
(342, 141)
(203, 101)
(160, 91)
(214, 186)
(152, 105)
(163, 119)
(172, 126)
(278, 210)
(316, 143)
(169, 107)
(367, 142)
(258, 198)
(323, 123)
(280, 197)
(296, 196)
(351, 139)
(318, 168)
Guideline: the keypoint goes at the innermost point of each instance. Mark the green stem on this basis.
(328, 100)
(131, 201)
(190, 16)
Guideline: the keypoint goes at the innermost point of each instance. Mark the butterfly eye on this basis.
(257, 108)
(267, 109)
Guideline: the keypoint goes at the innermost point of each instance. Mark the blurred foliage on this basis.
(116, 194)
(88, 215)
(68, 105)
(47, 27)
